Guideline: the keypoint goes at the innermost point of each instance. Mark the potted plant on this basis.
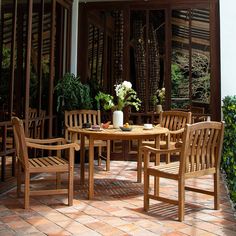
(158, 99)
(72, 94)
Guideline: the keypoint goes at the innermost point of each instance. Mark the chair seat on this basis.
(48, 164)
(165, 169)
(162, 144)
(97, 143)
(173, 169)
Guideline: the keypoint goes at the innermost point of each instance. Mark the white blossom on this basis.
(127, 84)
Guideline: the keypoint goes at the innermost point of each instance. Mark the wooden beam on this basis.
(194, 40)
(195, 24)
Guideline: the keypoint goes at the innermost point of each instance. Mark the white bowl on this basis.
(147, 126)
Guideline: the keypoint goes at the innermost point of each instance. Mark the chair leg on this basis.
(181, 199)
(168, 158)
(70, 187)
(216, 178)
(58, 180)
(3, 168)
(146, 190)
(13, 170)
(157, 179)
(19, 173)
(108, 155)
(27, 189)
(99, 155)
(71, 179)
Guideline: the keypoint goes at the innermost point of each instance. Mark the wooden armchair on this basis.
(200, 155)
(32, 116)
(77, 118)
(7, 147)
(50, 164)
(175, 121)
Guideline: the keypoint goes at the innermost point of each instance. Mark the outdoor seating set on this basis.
(197, 147)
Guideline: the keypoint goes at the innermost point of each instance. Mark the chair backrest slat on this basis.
(77, 118)
(202, 145)
(175, 120)
(19, 136)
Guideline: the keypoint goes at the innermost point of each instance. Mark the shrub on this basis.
(229, 146)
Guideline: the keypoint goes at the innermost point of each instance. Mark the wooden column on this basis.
(215, 96)
(126, 40)
(12, 66)
(27, 66)
(19, 81)
(40, 49)
(1, 38)
(167, 57)
(52, 69)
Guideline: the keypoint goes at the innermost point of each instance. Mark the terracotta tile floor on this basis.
(117, 209)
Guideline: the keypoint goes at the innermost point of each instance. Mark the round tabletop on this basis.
(112, 133)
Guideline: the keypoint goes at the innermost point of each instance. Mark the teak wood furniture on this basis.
(50, 164)
(137, 133)
(200, 155)
(175, 121)
(77, 118)
(7, 148)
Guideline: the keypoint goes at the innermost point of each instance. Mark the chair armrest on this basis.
(147, 150)
(46, 141)
(160, 151)
(53, 147)
(179, 131)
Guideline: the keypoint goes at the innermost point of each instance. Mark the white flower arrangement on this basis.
(125, 96)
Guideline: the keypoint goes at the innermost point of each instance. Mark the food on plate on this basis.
(105, 125)
(95, 126)
(126, 125)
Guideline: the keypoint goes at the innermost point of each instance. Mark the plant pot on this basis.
(158, 108)
(118, 119)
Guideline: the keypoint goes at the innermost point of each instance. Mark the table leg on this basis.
(157, 162)
(91, 168)
(139, 162)
(82, 158)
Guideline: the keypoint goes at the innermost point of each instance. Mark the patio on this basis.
(117, 209)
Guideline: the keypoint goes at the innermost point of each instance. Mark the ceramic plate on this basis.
(91, 129)
(125, 128)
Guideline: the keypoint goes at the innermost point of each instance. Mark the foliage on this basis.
(200, 63)
(201, 88)
(176, 79)
(6, 57)
(95, 87)
(72, 94)
(5, 75)
(229, 147)
(125, 96)
(200, 74)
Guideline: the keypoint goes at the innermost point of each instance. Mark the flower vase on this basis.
(118, 119)
(158, 108)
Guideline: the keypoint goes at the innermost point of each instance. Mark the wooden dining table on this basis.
(137, 133)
